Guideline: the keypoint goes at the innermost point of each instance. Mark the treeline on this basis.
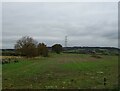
(28, 47)
(78, 50)
(79, 47)
(72, 48)
(93, 50)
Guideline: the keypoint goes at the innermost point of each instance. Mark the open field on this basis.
(61, 71)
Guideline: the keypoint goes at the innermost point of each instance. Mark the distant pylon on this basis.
(65, 41)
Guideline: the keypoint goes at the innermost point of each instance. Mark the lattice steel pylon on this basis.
(65, 41)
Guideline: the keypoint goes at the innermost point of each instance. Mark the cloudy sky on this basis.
(85, 24)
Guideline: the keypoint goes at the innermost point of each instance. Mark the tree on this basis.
(26, 46)
(57, 48)
(42, 50)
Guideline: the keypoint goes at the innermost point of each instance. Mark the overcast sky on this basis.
(85, 24)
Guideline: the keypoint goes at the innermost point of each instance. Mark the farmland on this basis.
(61, 71)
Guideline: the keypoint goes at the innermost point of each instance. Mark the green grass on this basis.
(0, 76)
(71, 71)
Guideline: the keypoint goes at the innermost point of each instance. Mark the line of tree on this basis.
(28, 47)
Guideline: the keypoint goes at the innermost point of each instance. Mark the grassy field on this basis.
(64, 71)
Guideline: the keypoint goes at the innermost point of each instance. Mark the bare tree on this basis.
(26, 46)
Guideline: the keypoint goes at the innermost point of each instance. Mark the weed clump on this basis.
(96, 56)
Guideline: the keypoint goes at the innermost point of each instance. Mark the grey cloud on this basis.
(92, 24)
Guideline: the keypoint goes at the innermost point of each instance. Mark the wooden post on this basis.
(105, 81)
